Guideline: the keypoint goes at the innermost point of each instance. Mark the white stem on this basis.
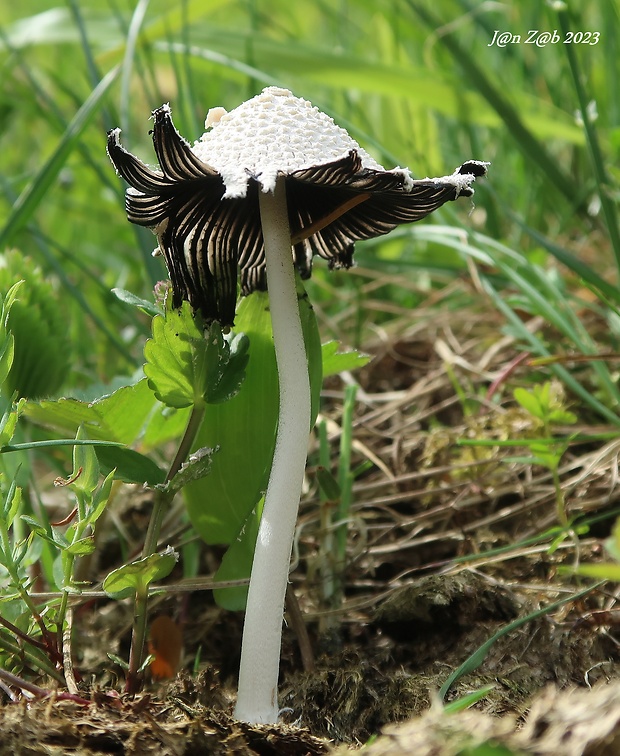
(257, 699)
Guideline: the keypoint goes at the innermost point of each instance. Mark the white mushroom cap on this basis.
(272, 134)
(202, 203)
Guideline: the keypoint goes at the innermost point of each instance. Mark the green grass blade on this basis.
(135, 28)
(602, 180)
(532, 148)
(539, 348)
(35, 192)
(477, 658)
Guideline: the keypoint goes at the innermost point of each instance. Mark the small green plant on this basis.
(606, 570)
(545, 403)
(336, 497)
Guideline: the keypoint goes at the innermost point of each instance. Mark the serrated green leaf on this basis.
(120, 416)
(175, 358)
(186, 368)
(335, 362)
(197, 466)
(225, 363)
(244, 428)
(138, 575)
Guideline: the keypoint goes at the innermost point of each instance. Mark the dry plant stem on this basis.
(66, 653)
(161, 500)
(296, 621)
(257, 699)
(160, 505)
(21, 684)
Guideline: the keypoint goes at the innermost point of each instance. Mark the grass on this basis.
(416, 83)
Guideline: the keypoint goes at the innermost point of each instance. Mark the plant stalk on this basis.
(257, 699)
(160, 505)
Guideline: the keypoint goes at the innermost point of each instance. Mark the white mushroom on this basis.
(271, 175)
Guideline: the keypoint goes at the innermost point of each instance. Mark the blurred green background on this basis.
(416, 82)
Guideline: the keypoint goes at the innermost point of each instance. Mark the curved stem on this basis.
(257, 699)
(161, 504)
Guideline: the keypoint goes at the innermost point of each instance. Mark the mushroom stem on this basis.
(257, 699)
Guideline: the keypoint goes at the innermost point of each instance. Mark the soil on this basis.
(446, 549)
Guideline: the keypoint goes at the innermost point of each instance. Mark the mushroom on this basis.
(268, 186)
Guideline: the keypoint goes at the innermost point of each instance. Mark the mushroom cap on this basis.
(202, 202)
(273, 134)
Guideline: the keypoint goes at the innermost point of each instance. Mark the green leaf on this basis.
(335, 362)
(489, 749)
(10, 505)
(85, 476)
(21, 549)
(8, 423)
(7, 354)
(175, 357)
(561, 416)
(607, 571)
(529, 402)
(328, 484)
(9, 299)
(120, 416)
(197, 466)
(130, 466)
(186, 367)
(244, 428)
(82, 547)
(612, 544)
(52, 536)
(237, 563)
(100, 500)
(38, 321)
(130, 298)
(225, 363)
(479, 655)
(464, 702)
(138, 575)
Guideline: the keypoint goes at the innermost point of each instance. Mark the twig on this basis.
(38, 692)
(66, 653)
